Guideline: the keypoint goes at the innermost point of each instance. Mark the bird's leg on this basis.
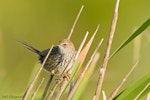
(66, 75)
(59, 79)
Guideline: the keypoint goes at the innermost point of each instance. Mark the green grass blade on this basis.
(132, 91)
(133, 36)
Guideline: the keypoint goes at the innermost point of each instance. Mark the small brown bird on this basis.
(59, 57)
(57, 63)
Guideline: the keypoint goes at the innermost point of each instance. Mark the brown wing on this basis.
(53, 60)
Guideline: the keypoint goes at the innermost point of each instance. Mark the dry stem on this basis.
(107, 52)
(64, 83)
(33, 96)
(36, 76)
(136, 98)
(104, 95)
(148, 96)
(81, 45)
(83, 72)
(53, 90)
(113, 94)
(71, 31)
(47, 86)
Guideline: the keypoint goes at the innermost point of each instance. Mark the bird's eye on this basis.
(65, 44)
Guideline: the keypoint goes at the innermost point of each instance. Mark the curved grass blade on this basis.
(131, 92)
(133, 36)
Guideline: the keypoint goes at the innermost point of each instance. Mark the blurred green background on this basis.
(44, 22)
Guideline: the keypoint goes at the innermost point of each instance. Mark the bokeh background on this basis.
(44, 22)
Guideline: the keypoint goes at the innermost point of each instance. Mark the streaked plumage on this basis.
(59, 57)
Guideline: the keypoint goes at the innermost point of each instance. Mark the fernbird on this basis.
(60, 57)
(58, 61)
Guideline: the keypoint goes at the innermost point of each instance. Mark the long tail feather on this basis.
(28, 46)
